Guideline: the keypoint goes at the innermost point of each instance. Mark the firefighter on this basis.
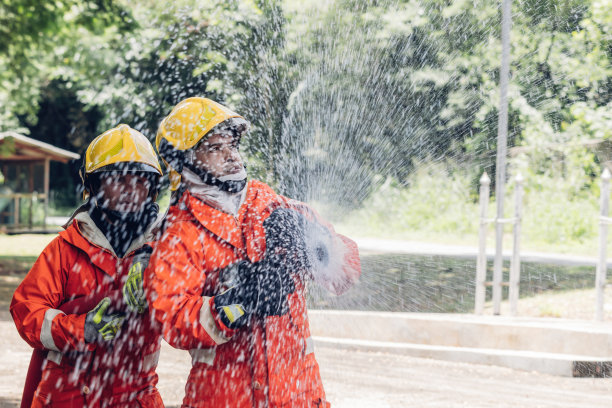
(82, 301)
(227, 280)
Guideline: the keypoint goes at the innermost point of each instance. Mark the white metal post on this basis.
(600, 277)
(515, 266)
(502, 140)
(481, 263)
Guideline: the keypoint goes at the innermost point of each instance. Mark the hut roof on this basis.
(28, 149)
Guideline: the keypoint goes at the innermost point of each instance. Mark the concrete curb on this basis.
(548, 363)
(552, 346)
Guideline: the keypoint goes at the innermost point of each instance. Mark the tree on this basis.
(32, 37)
(341, 95)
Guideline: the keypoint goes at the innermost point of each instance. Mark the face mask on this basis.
(120, 228)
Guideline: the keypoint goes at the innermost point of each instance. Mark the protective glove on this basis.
(285, 240)
(133, 292)
(100, 324)
(238, 300)
(295, 243)
(231, 307)
(252, 288)
(274, 284)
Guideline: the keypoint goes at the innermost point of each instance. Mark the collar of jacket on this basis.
(221, 224)
(244, 232)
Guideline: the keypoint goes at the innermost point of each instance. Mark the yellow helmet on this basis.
(121, 144)
(185, 126)
(121, 148)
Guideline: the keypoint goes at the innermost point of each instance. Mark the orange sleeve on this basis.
(174, 283)
(36, 302)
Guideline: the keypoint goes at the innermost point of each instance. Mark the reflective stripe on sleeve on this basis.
(206, 356)
(54, 356)
(46, 338)
(208, 321)
(150, 361)
(309, 346)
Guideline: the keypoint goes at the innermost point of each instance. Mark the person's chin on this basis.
(233, 170)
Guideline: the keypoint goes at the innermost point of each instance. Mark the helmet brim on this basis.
(127, 167)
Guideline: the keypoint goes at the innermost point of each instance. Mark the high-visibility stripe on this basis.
(208, 321)
(46, 338)
(206, 356)
(150, 361)
(309, 346)
(233, 312)
(54, 356)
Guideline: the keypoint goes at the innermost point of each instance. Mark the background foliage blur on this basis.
(384, 107)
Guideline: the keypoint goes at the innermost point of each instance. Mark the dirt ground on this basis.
(361, 379)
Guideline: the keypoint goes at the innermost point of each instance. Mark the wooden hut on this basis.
(25, 165)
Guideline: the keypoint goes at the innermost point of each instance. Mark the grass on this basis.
(571, 304)
(24, 244)
(391, 282)
(15, 265)
(439, 203)
(17, 255)
(437, 284)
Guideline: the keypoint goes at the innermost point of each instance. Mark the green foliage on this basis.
(342, 95)
(228, 51)
(33, 38)
(426, 76)
(434, 284)
(7, 146)
(434, 201)
(134, 67)
(560, 204)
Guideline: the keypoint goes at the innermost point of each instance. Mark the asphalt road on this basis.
(362, 379)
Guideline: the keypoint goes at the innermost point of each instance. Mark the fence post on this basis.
(481, 262)
(515, 265)
(17, 210)
(30, 211)
(600, 278)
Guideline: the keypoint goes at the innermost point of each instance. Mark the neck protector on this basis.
(121, 228)
(228, 202)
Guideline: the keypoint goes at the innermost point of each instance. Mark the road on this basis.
(362, 379)
(376, 245)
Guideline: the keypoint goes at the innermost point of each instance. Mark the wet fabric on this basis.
(79, 264)
(120, 228)
(270, 361)
(222, 200)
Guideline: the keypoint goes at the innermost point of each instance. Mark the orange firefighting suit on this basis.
(81, 263)
(270, 361)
